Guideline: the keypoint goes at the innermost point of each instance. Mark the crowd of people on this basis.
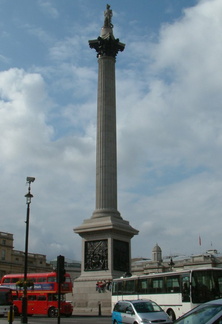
(103, 286)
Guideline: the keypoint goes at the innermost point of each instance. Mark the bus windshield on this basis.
(206, 285)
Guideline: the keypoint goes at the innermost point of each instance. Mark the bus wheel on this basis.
(171, 314)
(52, 312)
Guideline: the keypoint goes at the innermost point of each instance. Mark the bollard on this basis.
(99, 310)
(11, 315)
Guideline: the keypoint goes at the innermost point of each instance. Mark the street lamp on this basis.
(29, 196)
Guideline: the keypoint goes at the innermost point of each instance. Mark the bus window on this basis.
(41, 297)
(6, 280)
(41, 279)
(142, 286)
(156, 285)
(217, 285)
(117, 288)
(52, 279)
(220, 286)
(31, 297)
(202, 284)
(185, 283)
(172, 284)
(52, 297)
(129, 287)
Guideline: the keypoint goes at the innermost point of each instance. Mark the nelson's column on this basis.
(106, 237)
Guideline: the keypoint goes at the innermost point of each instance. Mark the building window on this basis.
(3, 242)
(3, 255)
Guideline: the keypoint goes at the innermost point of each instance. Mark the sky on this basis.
(169, 113)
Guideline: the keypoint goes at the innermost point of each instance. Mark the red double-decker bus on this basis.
(42, 293)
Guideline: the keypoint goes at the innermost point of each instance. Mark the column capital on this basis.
(106, 47)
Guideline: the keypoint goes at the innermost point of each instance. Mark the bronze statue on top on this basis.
(108, 13)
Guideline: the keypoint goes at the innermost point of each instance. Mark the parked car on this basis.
(138, 312)
(207, 313)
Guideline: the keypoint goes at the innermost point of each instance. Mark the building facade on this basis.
(158, 263)
(12, 261)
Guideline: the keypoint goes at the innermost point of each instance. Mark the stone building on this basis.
(12, 261)
(158, 263)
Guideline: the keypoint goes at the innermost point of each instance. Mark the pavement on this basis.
(4, 320)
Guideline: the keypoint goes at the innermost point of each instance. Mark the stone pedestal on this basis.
(106, 254)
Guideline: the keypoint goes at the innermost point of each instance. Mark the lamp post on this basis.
(29, 196)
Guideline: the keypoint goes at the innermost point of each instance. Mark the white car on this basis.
(139, 311)
(207, 313)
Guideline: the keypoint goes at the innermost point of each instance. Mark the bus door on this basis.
(185, 284)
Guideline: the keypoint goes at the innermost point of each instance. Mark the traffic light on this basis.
(60, 269)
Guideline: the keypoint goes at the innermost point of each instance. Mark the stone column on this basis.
(106, 249)
(106, 161)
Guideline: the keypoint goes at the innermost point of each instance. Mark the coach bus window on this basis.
(202, 283)
(129, 287)
(117, 288)
(217, 287)
(185, 282)
(156, 285)
(172, 284)
(142, 286)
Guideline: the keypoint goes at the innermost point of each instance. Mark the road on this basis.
(63, 320)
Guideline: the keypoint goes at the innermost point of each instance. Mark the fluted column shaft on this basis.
(106, 156)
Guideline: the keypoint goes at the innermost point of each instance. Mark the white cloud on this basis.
(172, 124)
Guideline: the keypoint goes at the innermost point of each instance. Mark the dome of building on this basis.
(157, 253)
(157, 248)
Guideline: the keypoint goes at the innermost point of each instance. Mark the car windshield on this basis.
(147, 307)
(200, 315)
